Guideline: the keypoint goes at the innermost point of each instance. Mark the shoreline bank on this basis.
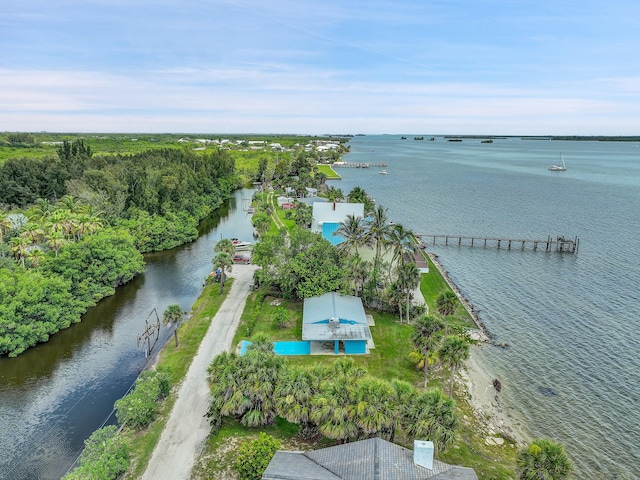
(486, 403)
(478, 381)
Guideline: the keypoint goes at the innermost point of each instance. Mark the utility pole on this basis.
(151, 331)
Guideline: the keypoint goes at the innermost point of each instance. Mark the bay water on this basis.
(571, 371)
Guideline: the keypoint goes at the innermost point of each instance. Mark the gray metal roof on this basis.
(352, 320)
(374, 459)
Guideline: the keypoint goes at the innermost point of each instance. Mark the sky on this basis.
(504, 67)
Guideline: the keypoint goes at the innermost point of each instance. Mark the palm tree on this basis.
(293, 399)
(401, 243)
(261, 222)
(68, 202)
(359, 274)
(4, 224)
(172, 316)
(224, 262)
(32, 232)
(404, 393)
(15, 221)
(408, 280)
(432, 415)
(453, 352)
(55, 241)
(331, 412)
(303, 215)
(35, 255)
(446, 303)
(334, 194)
(19, 247)
(374, 406)
(378, 229)
(225, 245)
(42, 209)
(352, 229)
(543, 459)
(395, 297)
(426, 334)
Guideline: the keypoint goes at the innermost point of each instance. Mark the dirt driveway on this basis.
(187, 428)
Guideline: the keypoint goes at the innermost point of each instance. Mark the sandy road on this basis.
(187, 428)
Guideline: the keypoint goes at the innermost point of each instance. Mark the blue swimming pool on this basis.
(282, 348)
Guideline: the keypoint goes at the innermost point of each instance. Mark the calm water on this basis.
(572, 322)
(55, 395)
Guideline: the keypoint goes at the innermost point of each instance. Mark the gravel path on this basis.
(187, 428)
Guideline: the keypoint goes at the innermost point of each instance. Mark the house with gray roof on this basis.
(371, 459)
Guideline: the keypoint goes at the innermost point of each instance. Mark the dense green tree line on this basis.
(79, 225)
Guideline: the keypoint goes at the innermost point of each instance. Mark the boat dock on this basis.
(358, 165)
(558, 244)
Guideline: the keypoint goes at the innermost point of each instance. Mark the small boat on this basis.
(382, 172)
(240, 245)
(559, 168)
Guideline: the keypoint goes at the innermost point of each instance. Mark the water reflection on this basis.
(54, 395)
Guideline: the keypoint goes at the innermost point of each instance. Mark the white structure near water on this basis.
(328, 216)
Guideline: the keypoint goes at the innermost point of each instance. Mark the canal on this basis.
(53, 396)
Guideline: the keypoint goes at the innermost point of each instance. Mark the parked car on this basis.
(242, 258)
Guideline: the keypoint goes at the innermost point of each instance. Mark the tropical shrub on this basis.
(105, 456)
(254, 456)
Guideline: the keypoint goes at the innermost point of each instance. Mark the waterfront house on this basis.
(328, 216)
(332, 324)
(365, 459)
(336, 321)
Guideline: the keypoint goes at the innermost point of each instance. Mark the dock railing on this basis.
(559, 244)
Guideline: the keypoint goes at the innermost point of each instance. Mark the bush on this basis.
(254, 456)
(138, 408)
(281, 318)
(105, 456)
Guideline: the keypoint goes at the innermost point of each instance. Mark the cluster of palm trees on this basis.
(400, 273)
(338, 400)
(430, 340)
(48, 227)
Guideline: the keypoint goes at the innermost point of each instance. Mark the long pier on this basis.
(358, 165)
(558, 244)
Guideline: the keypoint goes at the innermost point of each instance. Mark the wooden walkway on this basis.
(558, 244)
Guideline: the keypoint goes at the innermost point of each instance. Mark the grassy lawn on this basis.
(431, 285)
(190, 334)
(389, 359)
(329, 172)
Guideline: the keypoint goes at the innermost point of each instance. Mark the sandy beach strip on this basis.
(486, 402)
(478, 382)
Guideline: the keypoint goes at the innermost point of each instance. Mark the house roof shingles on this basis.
(374, 459)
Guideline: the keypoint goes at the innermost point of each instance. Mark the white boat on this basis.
(240, 245)
(382, 172)
(559, 168)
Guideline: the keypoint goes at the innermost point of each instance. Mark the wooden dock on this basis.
(558, 244)
(357, 165)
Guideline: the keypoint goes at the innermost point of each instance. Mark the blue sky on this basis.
(310, 67)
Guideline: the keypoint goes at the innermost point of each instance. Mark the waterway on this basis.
(56, 394)
(572, 369)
